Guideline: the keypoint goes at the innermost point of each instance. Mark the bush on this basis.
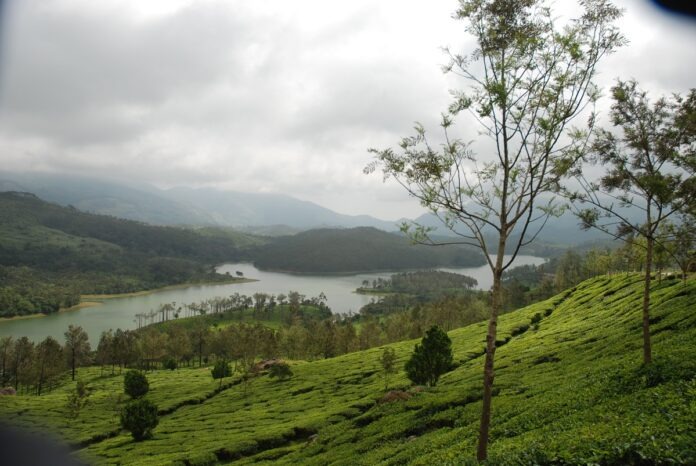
(77, 399)
(281, 370)
(169, 363)
(221, 369)
(135, 384)
(431, 358)
(139, 417)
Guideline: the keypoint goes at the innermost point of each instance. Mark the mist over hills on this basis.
(183, 206)
(257, 213)
(256, 209)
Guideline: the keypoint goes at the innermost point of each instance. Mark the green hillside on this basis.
(357, 250)
(49, 255)
(569, 390)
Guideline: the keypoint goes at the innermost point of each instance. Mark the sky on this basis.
(272, 96)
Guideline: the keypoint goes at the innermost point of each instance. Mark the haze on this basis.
(254, 96)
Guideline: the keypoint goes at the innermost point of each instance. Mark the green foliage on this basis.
(77, 399)
(49, 255)
(356, 250)
(139, 417)
(281, 371)
(221, 369)
(574, 411)
(170, 363)
(646, 169)
(388, 362)
(431, 358)
(422, 283)
(135, 384)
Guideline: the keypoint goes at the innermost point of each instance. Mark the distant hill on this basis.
(141, 203)
(356, 250)
(50, 254)
(183, 206)
(242, 209)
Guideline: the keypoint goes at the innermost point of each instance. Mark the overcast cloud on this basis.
(270, 96)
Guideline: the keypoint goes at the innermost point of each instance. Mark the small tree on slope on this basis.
(431, 358)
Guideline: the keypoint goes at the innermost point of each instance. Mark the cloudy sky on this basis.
(271, 96)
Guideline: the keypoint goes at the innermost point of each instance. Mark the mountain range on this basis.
(257, 213)
(183, 206)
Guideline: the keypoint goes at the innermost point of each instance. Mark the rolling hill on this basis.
(183, 206)
(569, 390)
(357, 250)
(50, 254)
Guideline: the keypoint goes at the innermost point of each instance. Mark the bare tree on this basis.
(527, 79)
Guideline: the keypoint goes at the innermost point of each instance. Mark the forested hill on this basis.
(27, 217)
(50, 254)
(356, 250)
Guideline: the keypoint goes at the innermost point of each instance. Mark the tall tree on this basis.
(6, 344)
(49, 362)
(105, 350)
(124, 348)
(646, 178)
(22, 353)
(76, 347)
(198, 336)
(525, 81)
(682, 246)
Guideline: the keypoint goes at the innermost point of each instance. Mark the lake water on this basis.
(120, 312)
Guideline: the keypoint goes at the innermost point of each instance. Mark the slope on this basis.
(107, 197)
(356, 250)
(50, 254)
(569, 390)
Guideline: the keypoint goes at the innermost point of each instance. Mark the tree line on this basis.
(35, 368)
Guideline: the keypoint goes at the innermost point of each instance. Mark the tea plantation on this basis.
(570, 389)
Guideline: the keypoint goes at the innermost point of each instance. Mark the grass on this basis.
(569, 387)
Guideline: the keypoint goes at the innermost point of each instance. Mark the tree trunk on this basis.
(41, 378)
(647, 350)
(16, 385)
(488, 373)
(73, 364)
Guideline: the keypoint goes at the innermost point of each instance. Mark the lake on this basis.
(120, 312)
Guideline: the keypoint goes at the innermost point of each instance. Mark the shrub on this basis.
(169, 363)
(281, 370)
(135, 384)
(388, 361)
(431, 358)
(77, 399)
(139, 417)
(221, 369)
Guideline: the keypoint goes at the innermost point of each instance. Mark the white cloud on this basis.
(269, 96)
